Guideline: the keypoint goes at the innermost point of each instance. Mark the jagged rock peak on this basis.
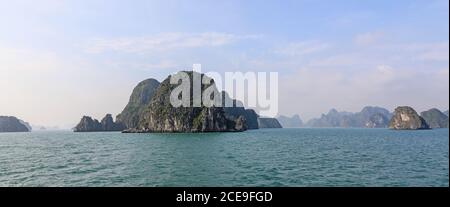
(406, 118)
(139, 99)
(88, 124)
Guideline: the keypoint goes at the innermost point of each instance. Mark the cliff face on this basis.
(269, 123)
(251, 118)
(26, 125)
(435, 118)
(160, 116)
(406, 118)
(87, 124)
(237, 110)
(290, 122)
(12, 124)
(130, 116)
(139, 99)
(108, 124)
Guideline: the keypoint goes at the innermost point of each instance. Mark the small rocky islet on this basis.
(435, 118)
(406, 118)
(88, 124)
(149, 111)
(13, 124)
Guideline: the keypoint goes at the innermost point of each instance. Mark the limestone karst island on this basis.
(149, 110)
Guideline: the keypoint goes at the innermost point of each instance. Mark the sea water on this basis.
(267, 157)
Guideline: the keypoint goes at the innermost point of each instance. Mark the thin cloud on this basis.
(164, 42)
(434, 52)
(368, 38)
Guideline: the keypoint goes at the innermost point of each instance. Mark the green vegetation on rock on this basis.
(139, 99)
(160, 116)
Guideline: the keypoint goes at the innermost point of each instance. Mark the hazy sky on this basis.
(62, 59)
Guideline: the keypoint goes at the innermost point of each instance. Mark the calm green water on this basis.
(274, 157)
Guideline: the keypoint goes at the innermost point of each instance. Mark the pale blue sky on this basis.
(62, 59)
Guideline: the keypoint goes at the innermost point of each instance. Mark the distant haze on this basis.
(60, 60)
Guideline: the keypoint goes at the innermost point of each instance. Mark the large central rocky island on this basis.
(149, 111)
(160, 116)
